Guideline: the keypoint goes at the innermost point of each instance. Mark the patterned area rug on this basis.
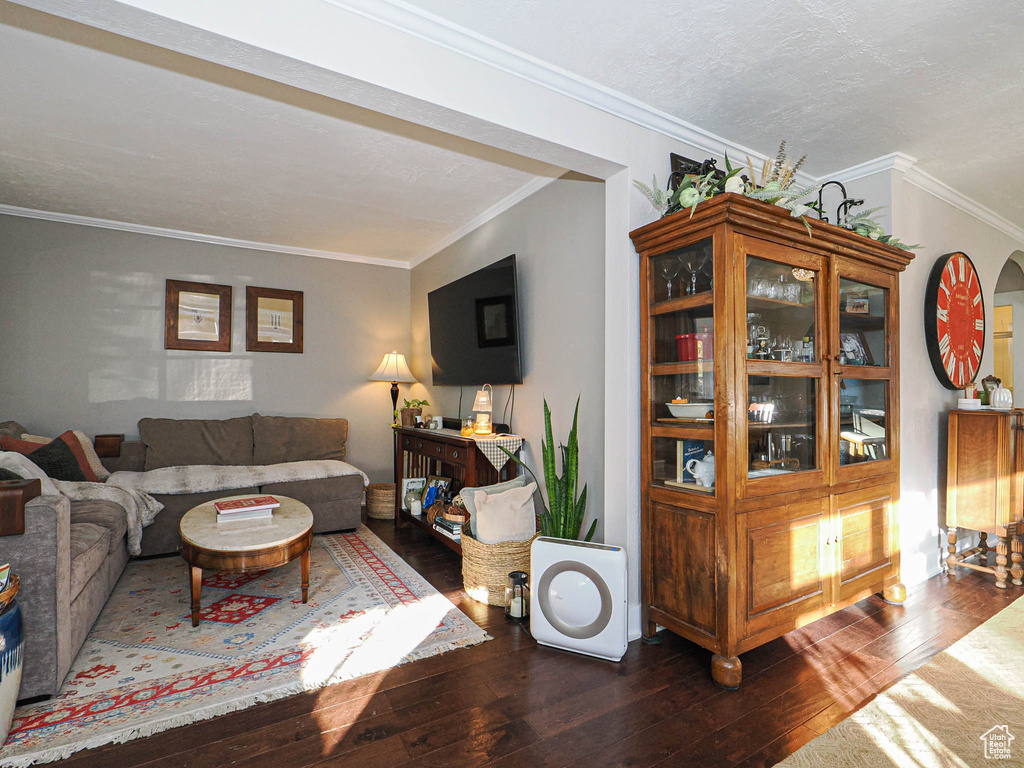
(963, 708)
(145, 669)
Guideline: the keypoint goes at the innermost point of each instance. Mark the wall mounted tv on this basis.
(474, 328)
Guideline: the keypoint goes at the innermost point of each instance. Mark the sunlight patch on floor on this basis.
(371, 642)
(908, 742)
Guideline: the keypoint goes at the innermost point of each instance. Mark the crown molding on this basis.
(433, 29)
(912, 174)
(495, 210)
(177, 234)
(894, 161)
(968, 205)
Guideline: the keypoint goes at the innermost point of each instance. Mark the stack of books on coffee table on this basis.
(249, 508)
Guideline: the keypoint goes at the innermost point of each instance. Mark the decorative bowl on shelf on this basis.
(690, 410)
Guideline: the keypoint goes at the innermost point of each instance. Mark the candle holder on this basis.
(517, 597)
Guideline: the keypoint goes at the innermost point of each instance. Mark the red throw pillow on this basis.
(68, 438)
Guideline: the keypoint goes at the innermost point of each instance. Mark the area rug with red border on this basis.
(145, 669)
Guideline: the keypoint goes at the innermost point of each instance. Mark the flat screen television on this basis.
(474, 328)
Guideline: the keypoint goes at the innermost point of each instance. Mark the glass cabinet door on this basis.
(784, 351)
(863, 338)
(681, 406)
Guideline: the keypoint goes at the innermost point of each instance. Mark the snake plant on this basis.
(564, 509)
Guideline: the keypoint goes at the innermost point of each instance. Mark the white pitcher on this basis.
(703, 470)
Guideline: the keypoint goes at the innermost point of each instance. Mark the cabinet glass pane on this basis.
(780, 312)
(863, 424)
(862, 323)
(686, 336)
(683, 272)
(684, 463)
(780, 425)
(685, 398)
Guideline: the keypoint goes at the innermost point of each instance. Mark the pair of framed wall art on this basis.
(197, 316)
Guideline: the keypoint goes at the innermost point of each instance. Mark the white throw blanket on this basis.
(207, 478)
(139, 508)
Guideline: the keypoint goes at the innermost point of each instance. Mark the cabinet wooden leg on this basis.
(895, 593)
(951, 560)
(1016, 555)
(983, 543)
(649, 634)
(196, 576)
(727, 672)
(1001, 550)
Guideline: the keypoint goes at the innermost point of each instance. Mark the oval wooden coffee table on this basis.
(244, 545)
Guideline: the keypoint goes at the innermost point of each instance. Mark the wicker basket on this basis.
(485, 567)
(380, 501)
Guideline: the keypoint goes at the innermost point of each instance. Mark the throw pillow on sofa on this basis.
(62, 458)
(88, 449)
(505, 516)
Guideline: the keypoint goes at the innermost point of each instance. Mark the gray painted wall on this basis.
(81, 336)
(557, 235)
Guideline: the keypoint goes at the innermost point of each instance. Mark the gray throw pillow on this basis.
(515, 482)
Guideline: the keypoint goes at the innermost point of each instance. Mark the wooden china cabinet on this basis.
(785, 348)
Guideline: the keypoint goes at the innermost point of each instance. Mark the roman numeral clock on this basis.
(954, 320)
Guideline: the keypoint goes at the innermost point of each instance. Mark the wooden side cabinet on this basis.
(770, 424)
(985, 490)
(424, 452)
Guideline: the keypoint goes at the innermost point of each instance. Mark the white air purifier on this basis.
(578, 597)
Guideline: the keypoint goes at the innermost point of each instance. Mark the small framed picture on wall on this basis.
(197, 316)
(273, 320)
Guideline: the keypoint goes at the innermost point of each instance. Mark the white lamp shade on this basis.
(482, 402)
(393, 368)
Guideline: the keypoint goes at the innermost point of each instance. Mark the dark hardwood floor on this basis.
(509, 702)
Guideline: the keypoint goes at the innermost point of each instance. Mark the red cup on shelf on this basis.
(695, 346)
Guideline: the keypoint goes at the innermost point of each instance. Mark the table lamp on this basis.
(393, 368)
(482, 408)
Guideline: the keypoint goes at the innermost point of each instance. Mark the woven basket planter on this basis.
(485, 567)
(380, 501)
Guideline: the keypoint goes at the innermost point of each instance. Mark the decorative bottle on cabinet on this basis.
(796, 394)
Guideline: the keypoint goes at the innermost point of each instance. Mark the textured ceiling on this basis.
(842, 81)
(97, 125)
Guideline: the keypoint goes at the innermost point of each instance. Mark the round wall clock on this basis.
(954, 320)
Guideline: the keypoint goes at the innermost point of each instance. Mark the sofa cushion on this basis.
(6, 474)
(180, 442)
(61, 458)
(277, 439)
(89, 546)
(319, 490)
(105, 514)
(88, 450)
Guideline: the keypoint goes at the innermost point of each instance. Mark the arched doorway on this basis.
(1008, 315)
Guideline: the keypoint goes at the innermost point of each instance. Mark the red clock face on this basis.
(958, 315)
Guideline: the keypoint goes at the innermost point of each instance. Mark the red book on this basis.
(249, 504)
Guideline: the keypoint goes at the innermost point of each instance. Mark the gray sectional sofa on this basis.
(244, 441)
(73, 552)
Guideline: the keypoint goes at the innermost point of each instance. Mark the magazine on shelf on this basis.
(248, 504)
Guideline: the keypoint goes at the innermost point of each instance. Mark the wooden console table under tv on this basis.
(445, 453)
